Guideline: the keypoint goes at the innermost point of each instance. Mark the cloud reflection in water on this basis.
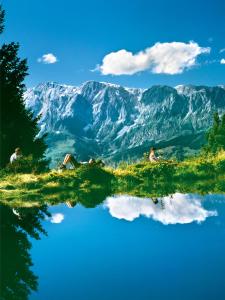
(57, 218)
(175, 209)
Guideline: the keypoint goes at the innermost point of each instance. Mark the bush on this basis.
(155, 170)
(146, 156)
(123, 165)
(93, 173)
(220, 166)
(27, 164)
(205, 167)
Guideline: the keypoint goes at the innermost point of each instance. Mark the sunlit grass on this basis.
(140, 179)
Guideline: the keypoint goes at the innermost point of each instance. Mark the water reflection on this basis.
(57, 218)
(175, 209)
(17, 225)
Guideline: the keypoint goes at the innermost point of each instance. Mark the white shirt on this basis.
(152, 157)
(14, 156)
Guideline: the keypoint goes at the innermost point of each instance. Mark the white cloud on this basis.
(181, 209)
(57, 218)
(168, 58)
(48, 59)
(222, 61)
(222, 50)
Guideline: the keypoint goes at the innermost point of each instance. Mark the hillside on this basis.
(110, 121)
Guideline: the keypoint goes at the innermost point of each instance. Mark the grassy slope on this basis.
(90, 185)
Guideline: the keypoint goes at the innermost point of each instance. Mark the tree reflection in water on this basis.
(17, 279)
(17, 225)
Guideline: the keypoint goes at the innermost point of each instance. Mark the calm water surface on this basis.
(133, 248)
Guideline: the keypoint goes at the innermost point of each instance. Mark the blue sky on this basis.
(154, 36)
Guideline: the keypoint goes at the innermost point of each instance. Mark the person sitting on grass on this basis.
(16, 155)
(152, 157)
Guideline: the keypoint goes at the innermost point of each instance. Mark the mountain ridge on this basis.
(104, 119)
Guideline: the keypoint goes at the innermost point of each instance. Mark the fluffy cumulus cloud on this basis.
(48, 59)
(222, 61)
(168, 58)
(57, 218)
(180, 209)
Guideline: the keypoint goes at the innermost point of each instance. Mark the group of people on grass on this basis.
(70, 159)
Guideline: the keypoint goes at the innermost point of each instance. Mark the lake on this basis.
(127, 247)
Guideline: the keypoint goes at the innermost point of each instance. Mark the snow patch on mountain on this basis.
(101, 119)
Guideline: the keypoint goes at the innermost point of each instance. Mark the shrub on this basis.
(205, 167)
(220, 166)
(93, 173)
(123, 165)
(27, 164)
(145, 156)
(156, 170)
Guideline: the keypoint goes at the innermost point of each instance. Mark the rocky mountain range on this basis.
(100, 119)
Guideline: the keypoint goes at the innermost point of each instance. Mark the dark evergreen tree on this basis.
(223, 131)
(18, 126)
(216, 135)
(179, 154)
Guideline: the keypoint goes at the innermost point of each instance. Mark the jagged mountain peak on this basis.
(187, 89)
(103, 118)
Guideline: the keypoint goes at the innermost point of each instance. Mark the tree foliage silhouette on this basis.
(17, 278)
(18, 126)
